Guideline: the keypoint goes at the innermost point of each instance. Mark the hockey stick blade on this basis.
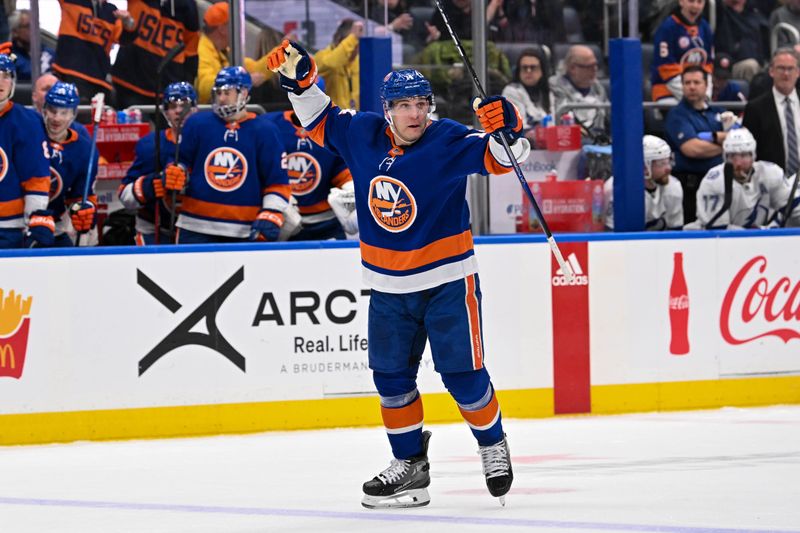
(565, 267)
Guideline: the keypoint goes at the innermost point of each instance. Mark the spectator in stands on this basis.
(20, 22)
(591, 17)
(723, 89)
(414, 33)
(743, 32)
(684, 38)
(40, 88)
(459, 13)
(530, 90)
(788, 13)
(774, 117)
(213, 53)
(338, 64)
(538, 21)
(84, 44)
(142, 50)
(663, 194)
(269, 94)
(454, 82)
(578, 84)
(6, 8)
(695, 132)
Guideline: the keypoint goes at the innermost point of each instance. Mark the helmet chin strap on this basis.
(405, 142)
(11, 90)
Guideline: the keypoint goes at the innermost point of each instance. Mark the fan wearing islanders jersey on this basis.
(237, 189)
(142, 188)
(320, 182)
(684, 38)
(24, 173)
(410, 178)
(69, 154)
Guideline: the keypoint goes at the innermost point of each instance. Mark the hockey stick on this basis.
(171, 54)
(565, 268)
(185, 110)
(98, 101)
(787, 211)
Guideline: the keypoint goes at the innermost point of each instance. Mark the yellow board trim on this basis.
(196, 420)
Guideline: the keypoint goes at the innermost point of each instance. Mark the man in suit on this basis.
(774, 117)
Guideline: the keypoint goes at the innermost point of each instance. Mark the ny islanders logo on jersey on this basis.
(391, 203)
(3, 164)
(304, 173)
(56, 184)
(225, 169)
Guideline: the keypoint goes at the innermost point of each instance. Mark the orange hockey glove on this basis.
(175, 177)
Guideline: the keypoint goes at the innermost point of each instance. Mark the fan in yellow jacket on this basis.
(338, 64)
(212, 52)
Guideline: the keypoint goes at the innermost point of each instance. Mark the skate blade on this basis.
(502, 500)
(405, 499)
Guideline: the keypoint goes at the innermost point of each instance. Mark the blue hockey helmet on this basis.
(233, 77)
(406, 83)
(62, 94)
(7, 64)
(179, 91)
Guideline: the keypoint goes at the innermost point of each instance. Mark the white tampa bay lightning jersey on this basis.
(752, 204)
(663, 207)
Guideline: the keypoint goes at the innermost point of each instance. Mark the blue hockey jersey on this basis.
(24, 170)
(679, 43)
(413, 215)
(69, 162)
(313, 170)
(235, 169)
(144, 166)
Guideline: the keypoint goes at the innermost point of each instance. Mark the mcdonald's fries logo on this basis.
(14, 325)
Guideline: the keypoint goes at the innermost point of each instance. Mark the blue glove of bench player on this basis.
(41, 229)
(266, 226)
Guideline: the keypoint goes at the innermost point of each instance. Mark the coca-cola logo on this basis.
(752, 301)
(680, 302)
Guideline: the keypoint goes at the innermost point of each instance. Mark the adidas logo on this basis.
(578, 278)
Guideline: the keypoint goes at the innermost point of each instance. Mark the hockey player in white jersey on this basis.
(743, 192)
(663, 194)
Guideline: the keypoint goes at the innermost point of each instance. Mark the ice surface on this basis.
(700, 471)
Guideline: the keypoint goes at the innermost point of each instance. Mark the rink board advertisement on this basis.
(132, 344)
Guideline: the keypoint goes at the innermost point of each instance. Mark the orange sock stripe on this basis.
(474, 317)
(403, 419)
(484, 417)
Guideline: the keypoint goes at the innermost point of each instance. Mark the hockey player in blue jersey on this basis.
(24, 173)
(409, 174)
(237, 189)
(141, 189)
(321, 183)
(69, 159)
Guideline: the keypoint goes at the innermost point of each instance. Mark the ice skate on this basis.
(403, 484)
(497, 469)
